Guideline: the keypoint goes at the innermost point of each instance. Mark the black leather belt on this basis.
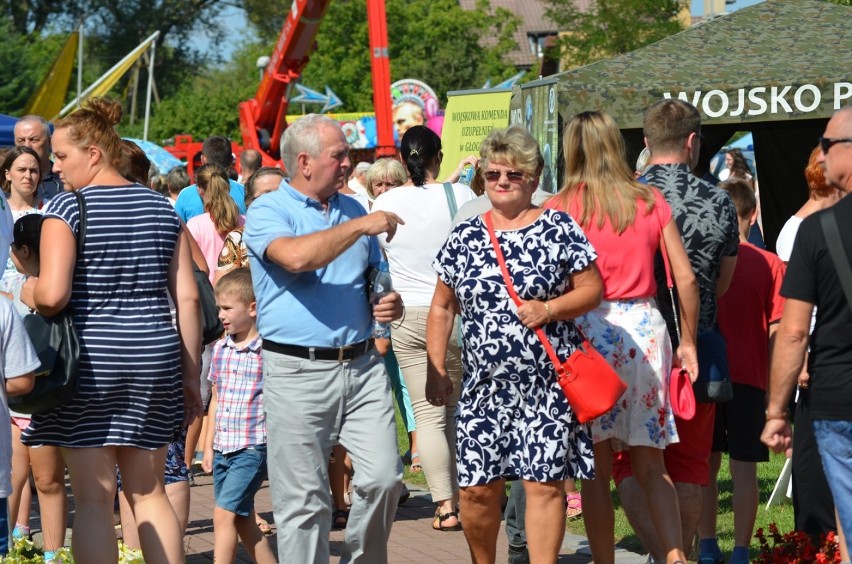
(340, 354)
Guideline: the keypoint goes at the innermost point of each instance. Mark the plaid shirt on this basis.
(238, 376)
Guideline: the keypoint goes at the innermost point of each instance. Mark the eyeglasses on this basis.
(513, 176)
(825, 143)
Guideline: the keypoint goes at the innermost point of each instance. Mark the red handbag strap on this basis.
(489, 223)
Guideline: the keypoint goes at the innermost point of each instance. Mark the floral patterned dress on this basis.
(513, 420)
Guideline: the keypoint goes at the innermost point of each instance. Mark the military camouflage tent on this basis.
(779, 69)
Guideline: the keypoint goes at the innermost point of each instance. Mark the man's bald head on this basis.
(836, 157)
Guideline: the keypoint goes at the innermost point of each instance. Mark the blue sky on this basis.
(698, 5)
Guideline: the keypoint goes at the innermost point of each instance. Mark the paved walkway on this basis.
(412, 539)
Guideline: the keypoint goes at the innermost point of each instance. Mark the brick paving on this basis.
(412, 541)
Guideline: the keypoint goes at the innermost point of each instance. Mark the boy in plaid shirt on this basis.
(235, 445)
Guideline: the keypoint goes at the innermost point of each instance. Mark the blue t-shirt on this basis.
(327, 307)
(189, 204)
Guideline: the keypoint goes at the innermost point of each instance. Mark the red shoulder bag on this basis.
(590, 384)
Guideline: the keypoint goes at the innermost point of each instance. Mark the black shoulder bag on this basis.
(57, 345)
(837, 252)
(211, 326)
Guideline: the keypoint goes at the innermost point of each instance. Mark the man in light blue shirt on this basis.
(215, 150)
(311, 250)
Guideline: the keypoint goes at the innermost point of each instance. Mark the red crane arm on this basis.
(263, 118)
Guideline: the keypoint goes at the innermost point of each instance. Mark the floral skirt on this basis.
(632, 335)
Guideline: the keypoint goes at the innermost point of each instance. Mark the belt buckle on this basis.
(340, 351)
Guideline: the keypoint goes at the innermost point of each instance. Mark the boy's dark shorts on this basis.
(739, 424)
(236, 478)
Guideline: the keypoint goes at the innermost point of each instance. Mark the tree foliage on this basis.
(23, 64)
(435, 41)
(611, 27)
(34, 30)
(206, 104)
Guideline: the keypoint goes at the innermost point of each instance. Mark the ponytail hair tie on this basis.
(413, 152)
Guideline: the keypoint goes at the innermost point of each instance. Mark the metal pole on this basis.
(80, 66)
(134, 53)
(150, 89)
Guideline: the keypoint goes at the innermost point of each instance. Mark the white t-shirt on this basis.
(786, 238)
(426, 214)
(17, 358)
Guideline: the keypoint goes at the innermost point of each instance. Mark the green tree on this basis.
(23, 64)
(431, 40)
(206, 104)
(611, 27)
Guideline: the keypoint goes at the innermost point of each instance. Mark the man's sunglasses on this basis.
(513, 176)
(825, 143)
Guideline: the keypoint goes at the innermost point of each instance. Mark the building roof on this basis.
(533, 22)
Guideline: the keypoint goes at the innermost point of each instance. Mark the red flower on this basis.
(795, 547)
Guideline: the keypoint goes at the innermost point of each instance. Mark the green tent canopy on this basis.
(780, 68)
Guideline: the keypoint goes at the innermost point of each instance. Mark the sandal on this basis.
(574, 505)
(406, 458)
(416, 468)
(264, 526)
(339, 519)
(437, 524)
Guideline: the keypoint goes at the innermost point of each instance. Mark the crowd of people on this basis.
(651, 264)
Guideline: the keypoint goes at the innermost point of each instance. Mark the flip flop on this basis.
(574, 505)
(264, 526)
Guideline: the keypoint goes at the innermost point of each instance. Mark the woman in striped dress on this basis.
(132, 398)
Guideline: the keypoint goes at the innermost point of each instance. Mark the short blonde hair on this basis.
(385, 168)
(237, 283)
(514, 147)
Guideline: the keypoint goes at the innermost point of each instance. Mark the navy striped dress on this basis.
(130, 384)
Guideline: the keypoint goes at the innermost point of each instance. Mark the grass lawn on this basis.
(767, 474)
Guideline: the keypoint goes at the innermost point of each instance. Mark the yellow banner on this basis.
(48, 98)
(469, 118)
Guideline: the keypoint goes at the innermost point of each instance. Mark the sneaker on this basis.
(519, 555)
(20, 532)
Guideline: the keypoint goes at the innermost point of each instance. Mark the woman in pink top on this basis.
(222, 214)
(625, 220)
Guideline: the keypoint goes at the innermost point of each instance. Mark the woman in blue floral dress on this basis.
(513, 421)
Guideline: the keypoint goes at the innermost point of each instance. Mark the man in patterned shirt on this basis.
(707, 220)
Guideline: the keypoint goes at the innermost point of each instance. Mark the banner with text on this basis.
(468, 119)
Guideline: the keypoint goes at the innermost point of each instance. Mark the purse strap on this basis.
(837, 252)
(451, 200)
(81, 228)
(669, 281)
(489, 223)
